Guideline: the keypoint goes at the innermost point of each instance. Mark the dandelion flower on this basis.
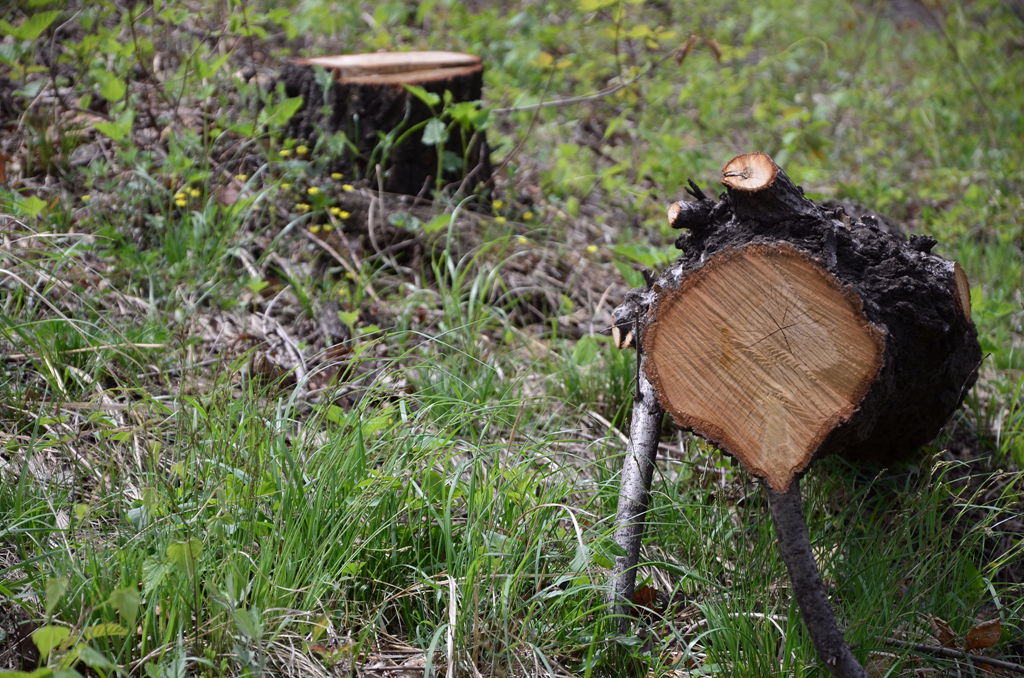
(527, 215)
(195, 192)
(591, 249)
(522, 240)
(86, 198)
(179, 196)
(242, 177)
(301, 150)
(312, 190)
(500, 220)
(180, 202)
(315, 228)
(337, 175)
(498, 204)
(328, 228)
(348, 188)
(302, 207)
(350, 275)
(286, 187)
(340, 213)
(284, 153)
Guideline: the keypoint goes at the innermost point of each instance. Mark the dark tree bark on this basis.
(795, 546)
(367, 100)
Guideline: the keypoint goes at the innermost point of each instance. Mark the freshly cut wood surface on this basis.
(382, 63)
(750, 172)
(762, 351)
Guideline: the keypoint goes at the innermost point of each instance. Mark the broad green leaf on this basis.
(119, 129)
(435, 133)
(95, 659)
(248, 622)
(594, 5)
(112, 88)
(104, 631)
(46, 638)
(429, 98)
(55, 589)
(31, 206)
(281, 112)
(33, 27)
(44, 672)
(184, 554)
(438, 223)
(126, 601)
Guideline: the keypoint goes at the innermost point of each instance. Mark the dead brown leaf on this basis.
(985, 634)
(942, 632)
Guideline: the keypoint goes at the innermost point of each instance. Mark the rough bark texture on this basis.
(634, 496)
(931, 351)
(366, 108)
(795, 546)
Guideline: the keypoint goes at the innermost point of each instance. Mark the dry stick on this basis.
(791, 530)
(953, 653)
(634, 495)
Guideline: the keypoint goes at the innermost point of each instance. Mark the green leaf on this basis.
(632, 277)
(33, 27)
(435, 133)
(429, 98)
(585, 352)
(95, 659)
(438, 223)
(248, 622)
(112, 88)
(352, 567)
(184, 554)
(106, 630)
(126, 601)
(55, 589)
(31, 206)
(278, 114)
(118, 129)
(46, 638)
(44, 672)
(594, 5)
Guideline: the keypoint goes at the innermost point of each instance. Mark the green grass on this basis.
(434, 480)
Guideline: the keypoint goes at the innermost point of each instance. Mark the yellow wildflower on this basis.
(591, 249)
(286, 187)
(498, 204)
(522, 240)
(340, 213)
(194, 192)
(500, 220)
(301, 150)
(348, 188)
(527, 215)
(242, 177)
(284, 153)
(312, 190)
(328, 228)
(86, 198)
(337, 175)
(302, 207)
(179, 196)
(180, 202)
(315, 228)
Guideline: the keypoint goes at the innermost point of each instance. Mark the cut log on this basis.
(787, 331)
(367, 100)
(782, 328)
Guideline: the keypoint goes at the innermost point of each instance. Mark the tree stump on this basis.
(784, 333)
(366, 98)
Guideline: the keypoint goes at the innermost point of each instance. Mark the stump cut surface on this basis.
(763, 352)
